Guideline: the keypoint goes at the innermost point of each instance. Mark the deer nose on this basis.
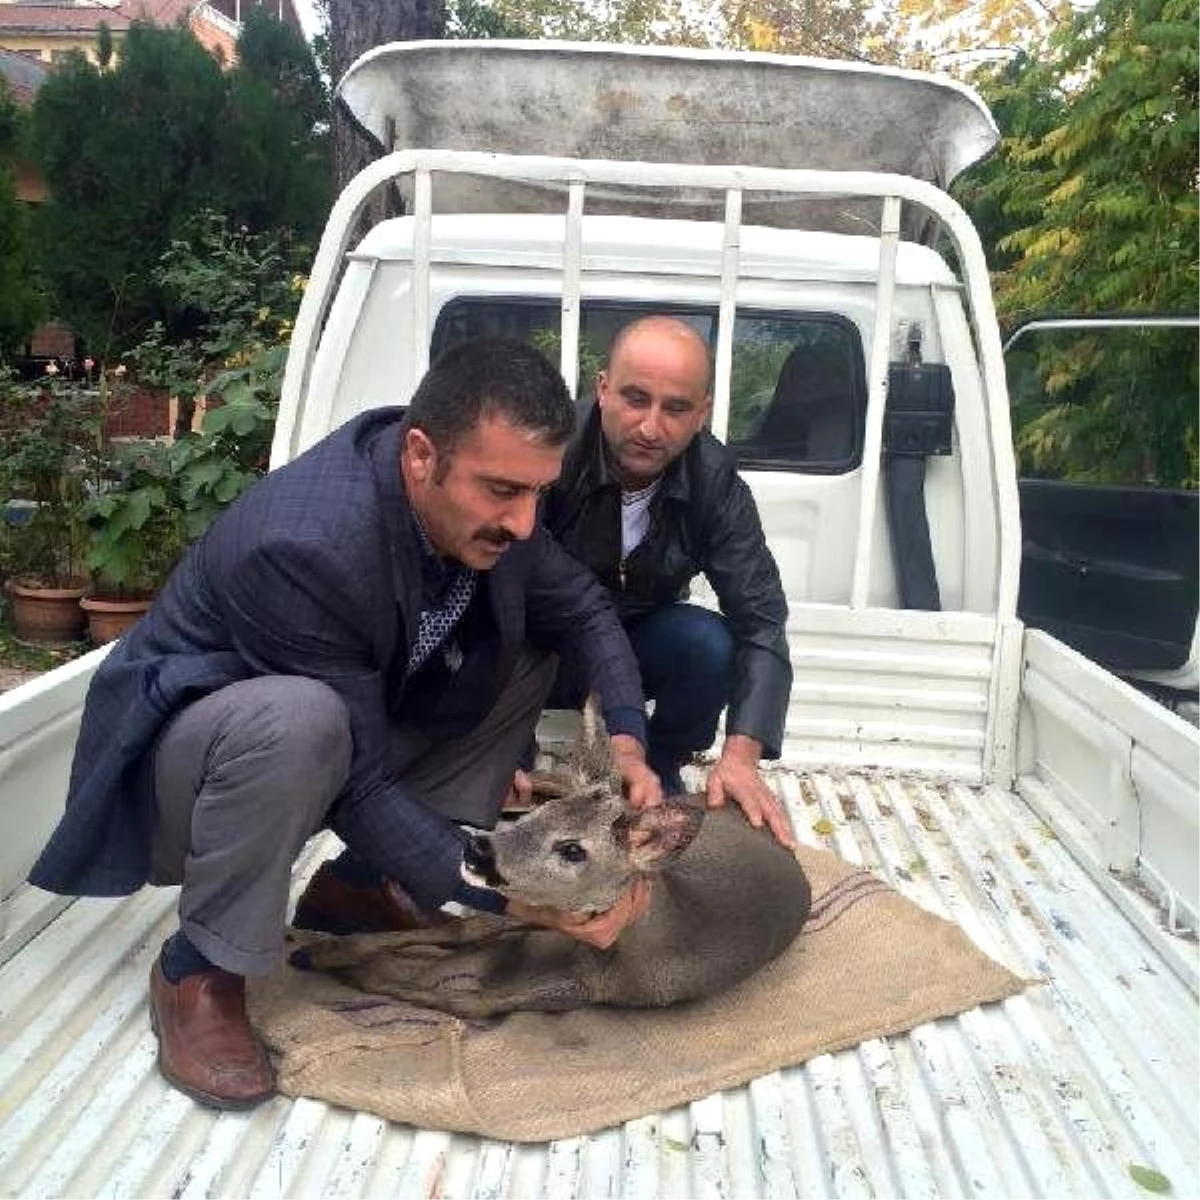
(480, 859)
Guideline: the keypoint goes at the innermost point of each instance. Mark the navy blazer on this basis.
(316, 571)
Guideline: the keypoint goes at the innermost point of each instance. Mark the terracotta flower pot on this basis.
(47, 616)
(107, 620)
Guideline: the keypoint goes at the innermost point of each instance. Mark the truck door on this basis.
(1105, 427)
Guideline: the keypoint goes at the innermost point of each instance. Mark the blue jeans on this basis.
(685, 654)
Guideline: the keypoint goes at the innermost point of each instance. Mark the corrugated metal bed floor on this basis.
(1057, 1092)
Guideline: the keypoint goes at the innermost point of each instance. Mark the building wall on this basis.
(52, 47)
(144, 413)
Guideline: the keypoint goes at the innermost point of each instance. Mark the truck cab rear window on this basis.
(798, 387)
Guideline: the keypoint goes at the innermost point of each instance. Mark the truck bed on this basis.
(1055, 1092)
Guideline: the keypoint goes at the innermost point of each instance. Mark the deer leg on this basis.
(480, 973)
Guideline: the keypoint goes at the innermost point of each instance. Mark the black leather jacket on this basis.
(703, 519)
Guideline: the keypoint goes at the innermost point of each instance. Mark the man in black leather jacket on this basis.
(649, 499)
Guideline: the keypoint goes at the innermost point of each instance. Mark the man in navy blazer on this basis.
(363, 642)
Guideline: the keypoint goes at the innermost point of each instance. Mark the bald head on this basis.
(670, 330)
(654, 396)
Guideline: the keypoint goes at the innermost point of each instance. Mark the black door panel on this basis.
(1111, 571)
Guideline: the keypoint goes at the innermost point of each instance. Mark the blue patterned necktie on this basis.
(440, 615)
(435, 623)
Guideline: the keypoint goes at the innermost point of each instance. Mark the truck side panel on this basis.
(1114, 775)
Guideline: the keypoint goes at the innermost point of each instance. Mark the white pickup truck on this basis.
(987, 771)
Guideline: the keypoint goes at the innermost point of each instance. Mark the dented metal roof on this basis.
(1059, 1091)
(660, 104)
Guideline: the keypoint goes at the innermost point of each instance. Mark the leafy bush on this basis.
(239, 293)
(50, 460)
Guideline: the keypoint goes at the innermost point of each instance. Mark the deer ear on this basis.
(550, 785)
(591, 756)
(653, 836)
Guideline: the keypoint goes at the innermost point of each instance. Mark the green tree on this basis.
(133, 151)
(1113, 183)
(477, 19)
(21, 303)
(1091, 207)
(1027, 103)
(273, 148)
(128, 154)
(645, 22)
(846, 29)
(966, 36)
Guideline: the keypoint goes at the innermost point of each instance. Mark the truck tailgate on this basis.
(1059, 1091)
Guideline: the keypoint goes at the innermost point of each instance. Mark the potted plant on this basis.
(49, 433)
(138, 530)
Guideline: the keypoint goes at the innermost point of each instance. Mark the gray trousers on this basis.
(244, 776)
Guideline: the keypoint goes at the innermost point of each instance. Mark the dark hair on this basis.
(486, 377)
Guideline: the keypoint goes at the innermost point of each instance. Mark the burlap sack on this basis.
(869, 963)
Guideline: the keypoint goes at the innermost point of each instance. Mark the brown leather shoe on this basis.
(206, 1047)
(331, 906)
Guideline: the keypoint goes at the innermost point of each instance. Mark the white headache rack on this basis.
(572, 180)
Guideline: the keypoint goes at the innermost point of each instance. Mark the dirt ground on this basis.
(11, 677)
(22, 661)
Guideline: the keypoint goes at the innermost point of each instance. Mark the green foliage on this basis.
(845, 29)
(50, 437)
(132, 153)
(1109, 405)
(1027, 103)
(275, 54)
(21, 302)
(138, 527)
(475, 19)
(1090, 207)
(669, 22)
(590, 355)
(127, 153)
(238, 293)
(1103, 203)
(215, 466)
(274, 145)
(104, 46)
(757, 361)
(230, 293)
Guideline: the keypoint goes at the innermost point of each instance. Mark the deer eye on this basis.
(570, 851)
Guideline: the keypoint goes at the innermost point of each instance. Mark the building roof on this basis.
(214, 27)
(159, 12)
(24, 75)
(60, 18)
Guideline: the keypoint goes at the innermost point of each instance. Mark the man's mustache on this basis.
(495, 535)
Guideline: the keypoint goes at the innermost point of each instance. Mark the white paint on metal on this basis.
(38, 724)
(419, 327)
(572, 270)
(562, 172)
(1121, 774)
(727, 311)
(877, 380)
(892, 688)
(1083, 324)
